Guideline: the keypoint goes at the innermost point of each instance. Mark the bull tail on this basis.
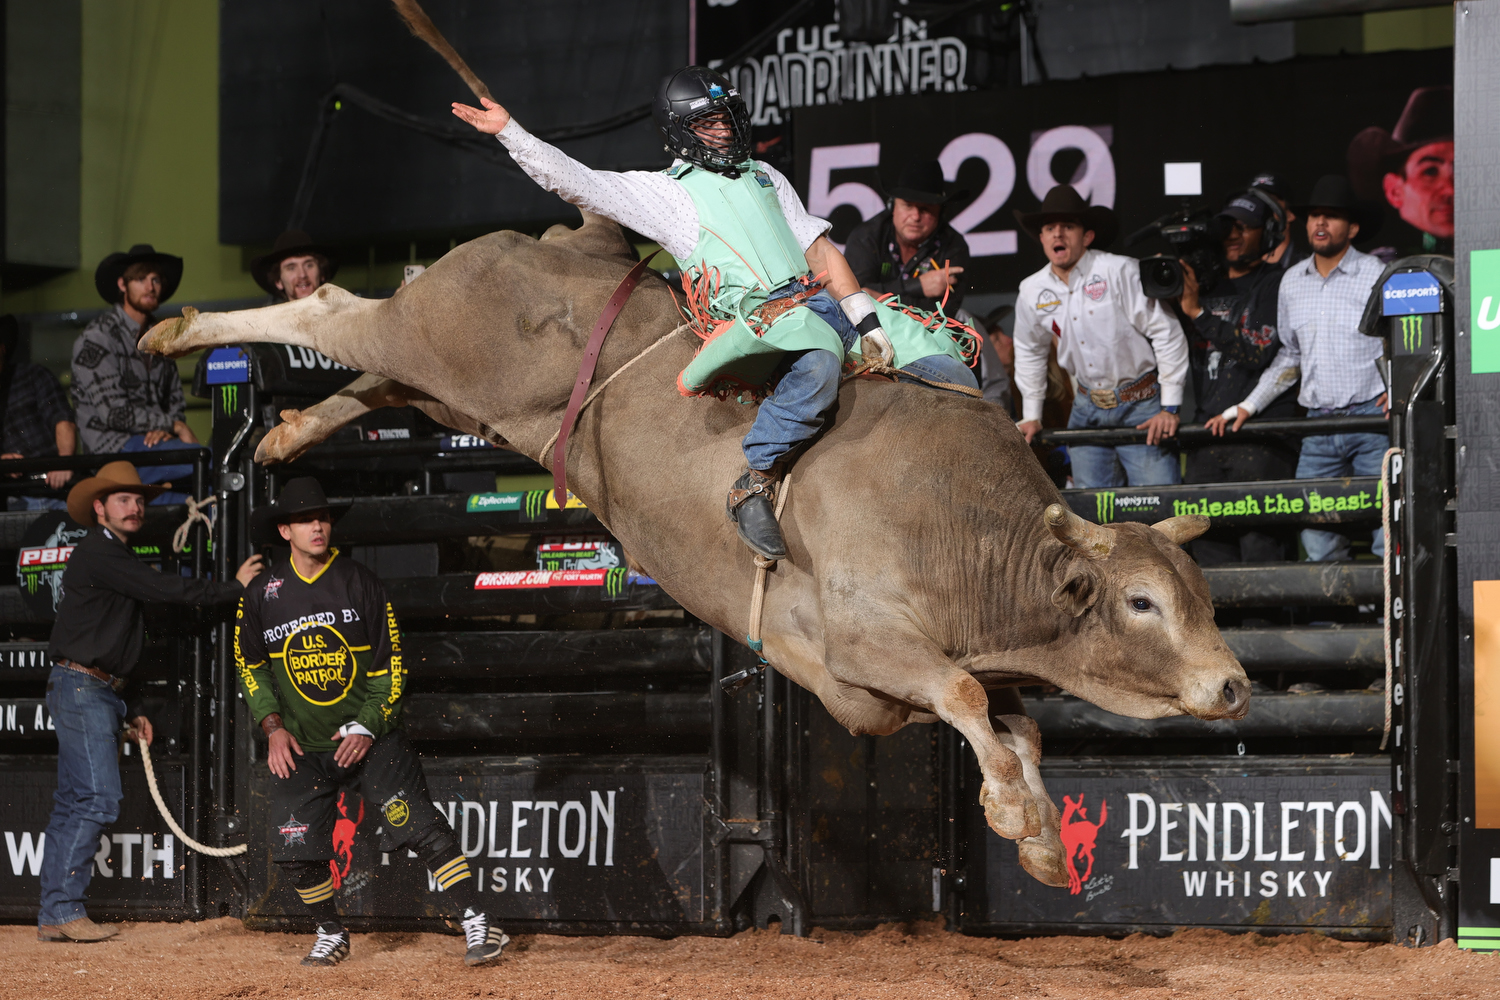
(421, 25)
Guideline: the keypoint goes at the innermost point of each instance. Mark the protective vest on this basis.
(745, 251)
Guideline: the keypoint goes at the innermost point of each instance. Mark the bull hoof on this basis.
(1044, 859)
(1012, 815)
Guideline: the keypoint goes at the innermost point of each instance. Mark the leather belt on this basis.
(1107, 399)
(115, 682)
(767, 311)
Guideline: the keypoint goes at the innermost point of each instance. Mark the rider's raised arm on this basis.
(650, 203)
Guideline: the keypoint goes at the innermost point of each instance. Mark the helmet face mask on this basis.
(703, 120)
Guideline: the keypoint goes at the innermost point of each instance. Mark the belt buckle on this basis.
(1105, 399)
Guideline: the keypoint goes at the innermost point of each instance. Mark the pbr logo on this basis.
(1095, 288)
(273, 588)
(294, 830)
(43, 557)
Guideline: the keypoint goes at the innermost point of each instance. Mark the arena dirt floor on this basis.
(219, 958)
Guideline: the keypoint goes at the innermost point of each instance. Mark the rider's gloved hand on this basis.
(860, 310)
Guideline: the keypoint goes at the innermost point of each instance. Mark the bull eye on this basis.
(1140, 604)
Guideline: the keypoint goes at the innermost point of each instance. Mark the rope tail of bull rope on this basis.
(1385, 530)
(763, 566)
(872, 365)
(161, 805)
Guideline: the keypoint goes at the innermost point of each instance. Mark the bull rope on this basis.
(875, 366)
(1385, 530)
(542, 455)
(161, 805)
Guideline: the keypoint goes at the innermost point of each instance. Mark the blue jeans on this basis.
(1099, 466)
(809, 385)
(87, 714)
(1334, 455)
(180, 476)
(35, 503)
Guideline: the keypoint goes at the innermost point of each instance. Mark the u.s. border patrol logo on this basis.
(397, 812)
(319, 663)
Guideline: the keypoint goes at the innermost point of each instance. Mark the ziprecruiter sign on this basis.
(1326, 501)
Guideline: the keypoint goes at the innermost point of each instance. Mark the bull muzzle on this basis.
(1220, 695)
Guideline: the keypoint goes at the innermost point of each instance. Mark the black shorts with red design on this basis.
(306, 805)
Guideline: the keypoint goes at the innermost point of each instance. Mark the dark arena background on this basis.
(638, 823)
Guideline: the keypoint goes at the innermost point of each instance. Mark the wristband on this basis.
(271, 723)
(1170, 409)
(354, 729)
(858, 309)
(869, 324)
(1233, 412)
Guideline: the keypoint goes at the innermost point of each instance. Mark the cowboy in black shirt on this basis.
(908, 249)
(95, 645)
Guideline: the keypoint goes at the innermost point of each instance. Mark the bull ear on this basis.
(1078, 591)
(1092, 540)
(1182, 528)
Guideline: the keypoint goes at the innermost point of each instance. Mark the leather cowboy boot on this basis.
(751, 506)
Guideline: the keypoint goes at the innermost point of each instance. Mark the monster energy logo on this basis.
(1411, 333)
(535, 500)
(614, 581)
(1104, 506)
(230, 396)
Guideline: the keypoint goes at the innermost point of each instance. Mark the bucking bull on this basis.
(995, 583)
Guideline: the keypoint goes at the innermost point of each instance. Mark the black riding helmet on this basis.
(690, 95)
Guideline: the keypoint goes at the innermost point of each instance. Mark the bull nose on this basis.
(1236, 695)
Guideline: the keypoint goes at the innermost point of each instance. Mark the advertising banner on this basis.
(1262, 846)
(139, 868)
(1113, 138)
(616, 842)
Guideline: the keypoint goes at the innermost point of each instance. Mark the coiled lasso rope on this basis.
(195, 512)
(161, 805)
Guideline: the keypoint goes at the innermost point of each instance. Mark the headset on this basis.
(1276, 224)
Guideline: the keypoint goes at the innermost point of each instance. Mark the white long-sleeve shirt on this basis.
(1318, 322)
(1109, 333)
(647, 201)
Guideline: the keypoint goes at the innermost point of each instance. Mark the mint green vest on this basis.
(743, 235)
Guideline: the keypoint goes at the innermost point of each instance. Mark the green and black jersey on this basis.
(322, 651)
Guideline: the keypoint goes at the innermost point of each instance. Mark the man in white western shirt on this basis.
(1321, 301)
(1126, 353)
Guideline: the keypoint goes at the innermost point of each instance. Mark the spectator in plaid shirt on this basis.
(1322, 299)
(35, 419)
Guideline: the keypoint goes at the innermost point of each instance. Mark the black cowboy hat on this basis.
(292, 243)
(1334, 191)
(922, 183)
(297, 497)
(1064, 203)
(107, 275)
(1374, 152)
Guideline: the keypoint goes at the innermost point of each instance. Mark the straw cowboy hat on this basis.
(114, 477)
(1064, 204)
(266, 268)
(297, 497)
(1374, 152)
(112, 268)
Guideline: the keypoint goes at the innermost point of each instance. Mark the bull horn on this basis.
(1182, 528)
(1091, 539)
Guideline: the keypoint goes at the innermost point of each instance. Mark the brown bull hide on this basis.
(950, 594)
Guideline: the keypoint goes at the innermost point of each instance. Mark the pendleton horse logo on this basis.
(1079, 838)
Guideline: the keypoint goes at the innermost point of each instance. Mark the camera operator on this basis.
(1231, 340)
